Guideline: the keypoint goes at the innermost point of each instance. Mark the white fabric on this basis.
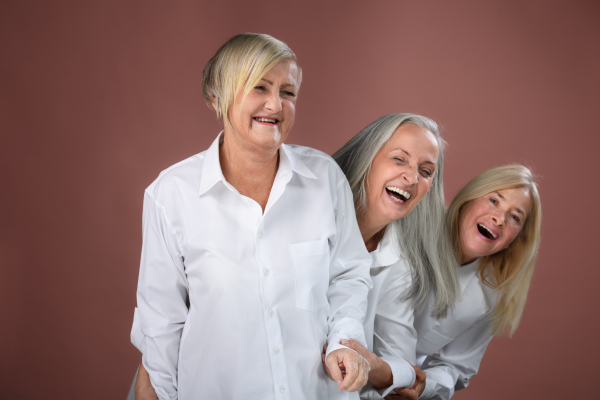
(235, 304)
(461, 338)
(389, 316)
(454, 345)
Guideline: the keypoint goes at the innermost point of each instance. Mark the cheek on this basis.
(512, 235)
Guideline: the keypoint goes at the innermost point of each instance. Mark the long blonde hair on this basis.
(512, 267)
(422, 234)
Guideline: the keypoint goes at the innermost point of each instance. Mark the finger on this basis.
(359, 348)
(362, 376)
(420, 374)
(406, 393)
(333, 368)
(325, 366)
(352, 373)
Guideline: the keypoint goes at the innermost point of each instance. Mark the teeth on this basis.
(273, 121)
(487, 229)
(399, 191)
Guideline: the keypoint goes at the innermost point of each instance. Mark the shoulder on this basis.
(180, 177)
(397, 277)
(320, 163)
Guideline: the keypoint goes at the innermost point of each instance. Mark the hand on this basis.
(143, 386)
(413, 392)
(346, 367)
(380, 374)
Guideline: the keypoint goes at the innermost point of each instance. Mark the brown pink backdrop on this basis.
(97, 97)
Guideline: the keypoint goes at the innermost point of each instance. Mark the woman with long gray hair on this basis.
(395, 170)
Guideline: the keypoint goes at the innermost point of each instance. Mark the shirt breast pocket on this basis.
(434, 341)
(311, 273)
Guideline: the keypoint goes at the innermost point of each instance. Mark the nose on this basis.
(498, 218)
(411, 176)
(273, 103)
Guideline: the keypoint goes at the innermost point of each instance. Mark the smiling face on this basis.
(401, 174)
(264, 118)
(490, 223)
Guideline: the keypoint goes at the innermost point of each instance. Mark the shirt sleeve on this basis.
(457, 362)
(161, 297)
(349, 279)
(395, 337)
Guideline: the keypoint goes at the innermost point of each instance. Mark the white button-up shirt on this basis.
(448, 349)
(389, 320)
(237, 304)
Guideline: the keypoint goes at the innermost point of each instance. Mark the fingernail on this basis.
(344, 341)
(339, 381)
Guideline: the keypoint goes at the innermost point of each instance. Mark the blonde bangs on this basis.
(238, 66)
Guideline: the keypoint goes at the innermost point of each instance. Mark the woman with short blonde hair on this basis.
(242, 280)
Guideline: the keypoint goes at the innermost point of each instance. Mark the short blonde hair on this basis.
(512, 267)
(238, 66)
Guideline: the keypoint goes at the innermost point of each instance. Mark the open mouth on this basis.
(485, 231)
(397, 194)
(271, 121)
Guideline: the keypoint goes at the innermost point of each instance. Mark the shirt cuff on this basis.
(403, 374)
(137, 337)
(333, 343)
(433, 388)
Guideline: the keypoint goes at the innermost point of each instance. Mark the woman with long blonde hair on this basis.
(494, 226)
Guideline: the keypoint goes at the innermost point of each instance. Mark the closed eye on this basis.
(289, 94)
(400, 159)
(426, 172)
(260, 88)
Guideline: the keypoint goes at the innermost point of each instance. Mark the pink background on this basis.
(97, 97)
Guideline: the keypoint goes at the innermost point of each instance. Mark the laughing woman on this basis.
(252, 258)
(494, 225)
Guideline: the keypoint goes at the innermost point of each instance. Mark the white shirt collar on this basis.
(466, 273)
(387, 251)
(212, 173)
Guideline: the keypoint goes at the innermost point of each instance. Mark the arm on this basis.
(457, 362)
(161, 298)
(395, 338)
(349, 284)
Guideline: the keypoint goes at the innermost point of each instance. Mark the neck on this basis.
(246, 162)
(249, 169)
(371, 231)
(467, 260)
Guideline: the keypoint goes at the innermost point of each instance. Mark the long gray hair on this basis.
(422, 234)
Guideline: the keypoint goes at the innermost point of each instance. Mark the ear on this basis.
(213, 101)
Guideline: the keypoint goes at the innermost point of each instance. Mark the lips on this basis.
(486, 232)
(265, 120)
(397, 194)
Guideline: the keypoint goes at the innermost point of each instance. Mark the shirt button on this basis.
(271, 313)
(276, 350)
(266, 271)
(282, 388)
(260, 234)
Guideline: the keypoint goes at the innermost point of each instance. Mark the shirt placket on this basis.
(271, 286)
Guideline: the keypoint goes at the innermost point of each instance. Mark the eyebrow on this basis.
(284, 85)
(408, 154)
(517, 209)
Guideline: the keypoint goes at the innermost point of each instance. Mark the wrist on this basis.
(380, 374)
